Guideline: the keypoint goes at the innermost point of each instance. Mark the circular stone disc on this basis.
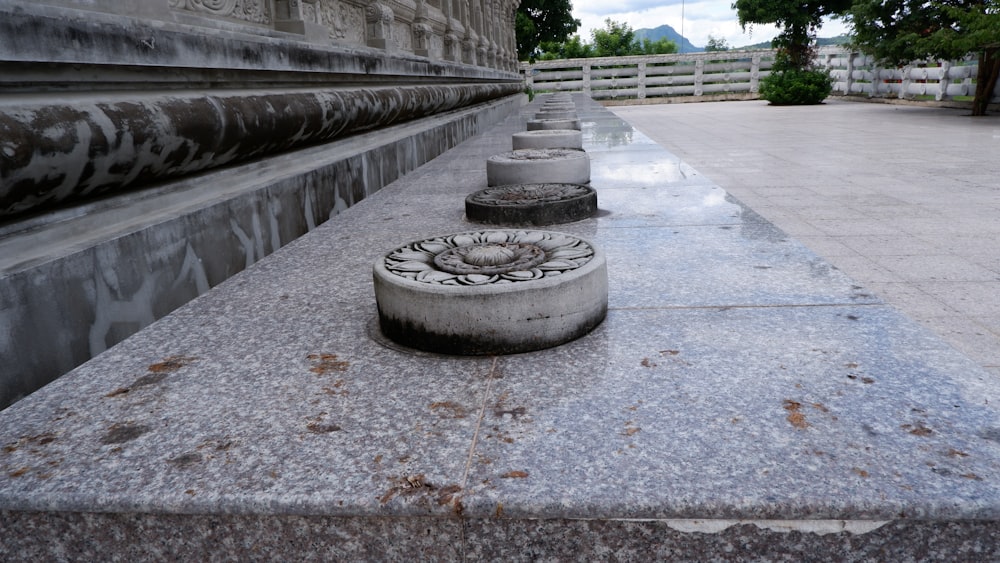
(531, 204)
(558, 107)
(556, 114)
(538, 166)
(558, 299)
(548, 139)
(539, 124)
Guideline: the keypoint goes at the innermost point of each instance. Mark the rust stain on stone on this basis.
(408, 485)
(448, 409)
(171, 364)
(327, 363)
(447, 494)
(917, 429)
(795, 416)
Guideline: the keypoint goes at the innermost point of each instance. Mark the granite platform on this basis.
(743, 400)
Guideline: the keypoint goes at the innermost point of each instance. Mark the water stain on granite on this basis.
(317, 425)
(185, 460)
(142, 381)
(120, 433)
(515, 413)
(991, 434)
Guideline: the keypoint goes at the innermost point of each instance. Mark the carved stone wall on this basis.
(486, 26)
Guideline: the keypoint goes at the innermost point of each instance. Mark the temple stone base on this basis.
(86, 277)
(150, 150)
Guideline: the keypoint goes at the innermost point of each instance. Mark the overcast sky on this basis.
(701, 19)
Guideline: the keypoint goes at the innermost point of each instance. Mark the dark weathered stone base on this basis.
(32, 536)
(426, 339)
(539, 213)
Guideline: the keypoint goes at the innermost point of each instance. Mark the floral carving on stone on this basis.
(255, 11)
(402, 36)
(489, 257)
(345, 22)
(422, 33)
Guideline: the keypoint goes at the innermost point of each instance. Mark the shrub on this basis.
(792, 86)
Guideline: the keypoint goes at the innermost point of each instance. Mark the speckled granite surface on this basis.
(738, 381)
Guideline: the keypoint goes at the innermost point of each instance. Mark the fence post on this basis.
(755, 74)
(876, 79)
(529, 77)
(944, 81)
(904, 85)
(699, 76)
(849, 80)
(586, 79)
(642, 81)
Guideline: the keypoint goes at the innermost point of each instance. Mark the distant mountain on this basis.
(821, 41)
(655, 34)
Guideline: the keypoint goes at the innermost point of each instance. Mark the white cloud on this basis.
(701, 18)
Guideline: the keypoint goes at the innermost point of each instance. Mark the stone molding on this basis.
(60, 152)
(420, 28)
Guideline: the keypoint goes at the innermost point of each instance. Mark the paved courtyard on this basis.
(904, 199)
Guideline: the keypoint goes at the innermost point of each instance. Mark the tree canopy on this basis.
(539, 21)
(716, 44)
(900, 31)
(615, 40)
(798, 20)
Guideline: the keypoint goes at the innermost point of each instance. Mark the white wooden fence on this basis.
(736, 74)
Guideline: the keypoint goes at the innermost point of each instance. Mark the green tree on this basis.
(798, 20)
(615, 40)
(540, 21)
(573, 48)
(716, 44)
(661, 46)
(900, 31)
